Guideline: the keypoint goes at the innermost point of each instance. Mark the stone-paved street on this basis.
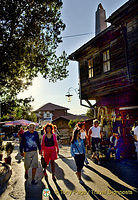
(100, 182)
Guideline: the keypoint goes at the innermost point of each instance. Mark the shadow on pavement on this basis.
(60, 175)
(92, 193)
(115, 186)
(86, 177)
(52, 193)
(126, 170)
(60, 191)
(34, 192)
(71, 164)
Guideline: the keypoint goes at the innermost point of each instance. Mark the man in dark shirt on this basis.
(28, 148)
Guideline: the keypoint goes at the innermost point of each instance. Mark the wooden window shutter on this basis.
(98, 64)
(83, 67)
(86, 69)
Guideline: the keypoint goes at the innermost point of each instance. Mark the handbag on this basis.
(43, 163)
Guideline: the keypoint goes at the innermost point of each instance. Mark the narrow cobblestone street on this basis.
(99, 182)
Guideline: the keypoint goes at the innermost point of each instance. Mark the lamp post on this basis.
(69, 95)
(90, 106)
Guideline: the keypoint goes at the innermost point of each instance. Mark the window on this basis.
(90, 66)
(106, 61)
(48, 114)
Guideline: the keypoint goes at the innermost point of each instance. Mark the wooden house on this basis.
(49, 112)
(59, 116)
(65, 131)
(108, 68)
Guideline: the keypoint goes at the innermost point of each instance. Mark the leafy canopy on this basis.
(72, 123)
(30, 34)
(18, 109)
(90, 113)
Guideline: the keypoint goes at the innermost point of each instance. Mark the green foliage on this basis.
(72, 123)
(32, 117)
(18, 109)
(30, 34)
(90, 113)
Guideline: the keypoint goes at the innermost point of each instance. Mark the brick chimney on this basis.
(100, 19)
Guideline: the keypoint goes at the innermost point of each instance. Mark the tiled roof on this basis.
(72, 117)
(51, 107)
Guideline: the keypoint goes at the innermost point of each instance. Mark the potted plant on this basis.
(9, 149)
(1, 149)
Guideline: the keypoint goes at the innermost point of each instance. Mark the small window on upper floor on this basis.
(106, 61)
(90, 68)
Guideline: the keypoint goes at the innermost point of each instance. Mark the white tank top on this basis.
(95, 132)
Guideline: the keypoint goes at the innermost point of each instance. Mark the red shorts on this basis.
(50, 153)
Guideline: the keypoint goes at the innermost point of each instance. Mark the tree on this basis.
(72, 123)
(18, 109)
(32, 117)
(90, 113)
(30, 34)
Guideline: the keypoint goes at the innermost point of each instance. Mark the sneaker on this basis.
(33, 182)
(26, 176)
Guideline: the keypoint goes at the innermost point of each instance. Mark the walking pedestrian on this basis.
(28, 149)
(56, 132)
(19, 135)
(84, 137)
(136, 137)
(49, 148)
(95, 138)
(78, 152)
(20, 132)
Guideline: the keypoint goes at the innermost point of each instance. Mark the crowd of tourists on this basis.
(80, 143)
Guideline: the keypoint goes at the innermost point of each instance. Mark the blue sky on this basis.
(79, 17)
